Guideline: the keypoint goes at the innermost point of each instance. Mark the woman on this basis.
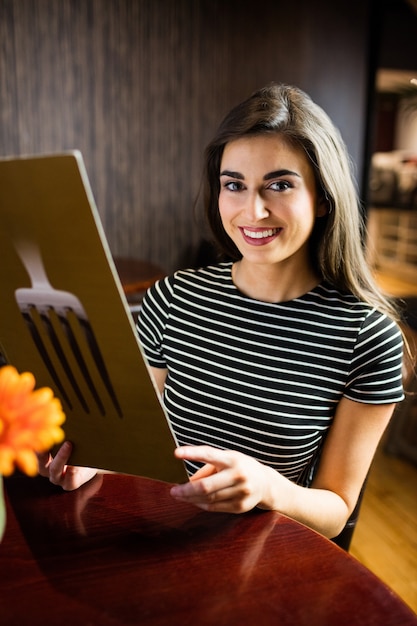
(280, 368)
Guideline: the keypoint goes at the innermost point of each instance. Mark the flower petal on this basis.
(30, 421)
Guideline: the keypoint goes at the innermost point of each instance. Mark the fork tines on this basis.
(68, 347)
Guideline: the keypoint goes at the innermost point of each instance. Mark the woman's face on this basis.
(268, 200)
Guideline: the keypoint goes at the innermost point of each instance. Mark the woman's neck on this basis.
(272, 283)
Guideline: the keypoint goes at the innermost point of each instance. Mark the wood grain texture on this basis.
(120, 550)
(139, 87)
(385, 539)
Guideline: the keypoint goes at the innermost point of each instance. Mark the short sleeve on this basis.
(152, 320)
(376, 368)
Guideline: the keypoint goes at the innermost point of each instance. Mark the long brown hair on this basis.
(336, 244)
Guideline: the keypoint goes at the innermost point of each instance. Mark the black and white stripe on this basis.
(264, 378)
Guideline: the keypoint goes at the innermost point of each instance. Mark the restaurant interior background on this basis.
(139, 87)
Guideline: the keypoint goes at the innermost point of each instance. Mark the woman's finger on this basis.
(206, 470)
(206, 454)
(58, 464)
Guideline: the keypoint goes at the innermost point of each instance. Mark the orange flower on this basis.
(30, 421)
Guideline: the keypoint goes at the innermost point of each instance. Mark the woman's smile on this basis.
(259, 236)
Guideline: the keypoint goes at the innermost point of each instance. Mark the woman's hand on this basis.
(233, 482)
(229, 482)
(59, 473)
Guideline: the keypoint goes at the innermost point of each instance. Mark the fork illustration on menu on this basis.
(64, 338)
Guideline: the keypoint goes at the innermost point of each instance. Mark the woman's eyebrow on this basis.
(232, 174)
(279, 173)
(269, 176)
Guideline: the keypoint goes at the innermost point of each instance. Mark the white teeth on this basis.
(259, 234)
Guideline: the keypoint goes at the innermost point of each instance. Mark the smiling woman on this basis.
(279, 368)
(268, 206)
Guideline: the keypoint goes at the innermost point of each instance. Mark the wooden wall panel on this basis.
(139, 87)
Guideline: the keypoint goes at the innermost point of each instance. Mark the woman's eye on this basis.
(233, 185)
(280, 185)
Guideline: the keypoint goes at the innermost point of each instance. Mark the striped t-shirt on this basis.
(260, 378)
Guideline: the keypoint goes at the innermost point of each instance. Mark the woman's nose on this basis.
(256, 208)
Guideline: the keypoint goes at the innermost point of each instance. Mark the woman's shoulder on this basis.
(215, 275)
(336, 297)
(349, 307)
(327, 292)
(191, 282)
(217, 271)
(327, 299)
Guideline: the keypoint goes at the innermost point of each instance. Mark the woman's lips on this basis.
(259, 236)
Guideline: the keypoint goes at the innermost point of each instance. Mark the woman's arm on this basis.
(159, 375)
(234, 482)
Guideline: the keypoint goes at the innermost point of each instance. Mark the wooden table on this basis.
(120, 550)
(137, 275)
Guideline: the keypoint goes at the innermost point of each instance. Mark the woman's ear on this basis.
(323, 207)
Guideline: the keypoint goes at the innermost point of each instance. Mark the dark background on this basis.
(139, 87)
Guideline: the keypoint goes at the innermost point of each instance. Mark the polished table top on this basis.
(137, 275)
(120, 550)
